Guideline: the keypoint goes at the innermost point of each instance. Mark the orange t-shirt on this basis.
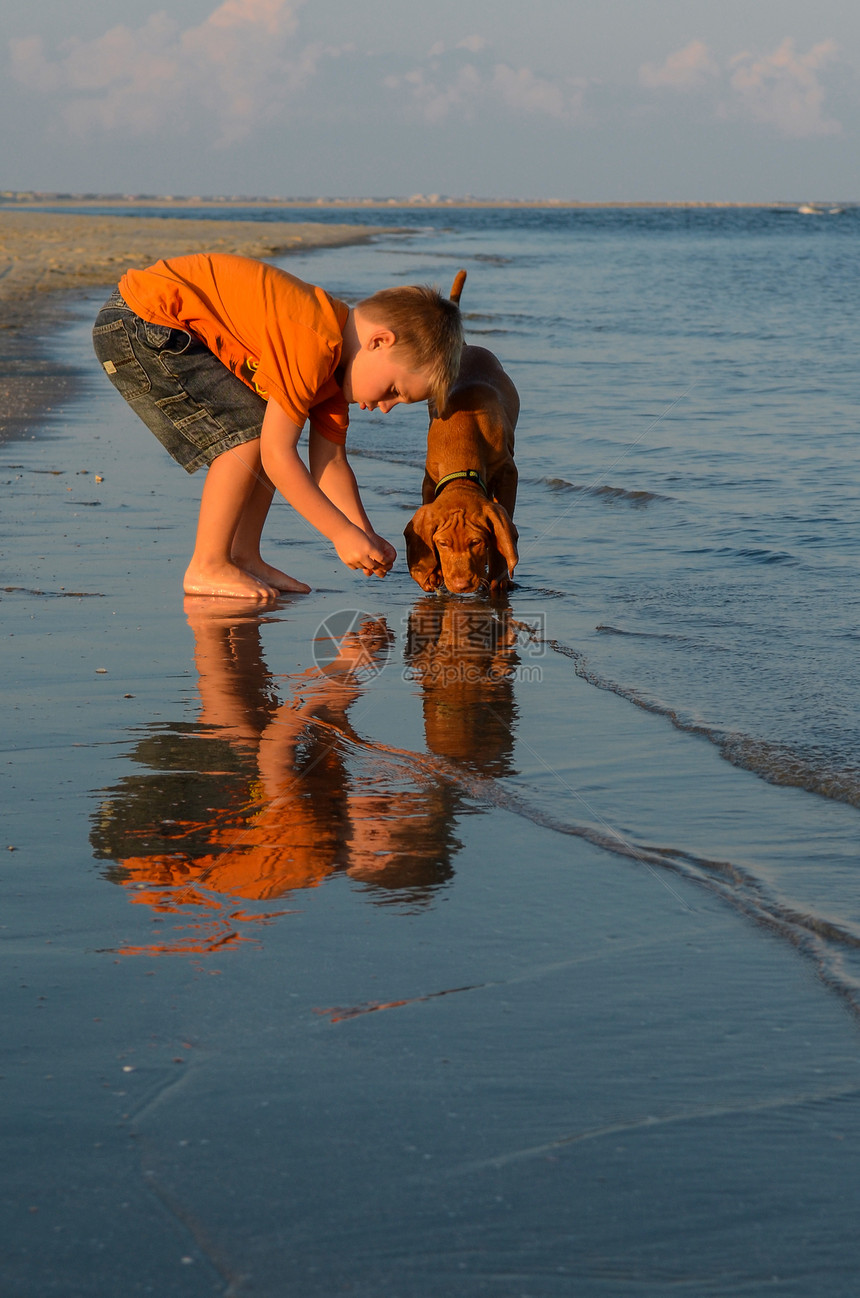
(280, 336)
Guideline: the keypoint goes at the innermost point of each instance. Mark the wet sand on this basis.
(305, 996)
(316, 982)
(45, 257)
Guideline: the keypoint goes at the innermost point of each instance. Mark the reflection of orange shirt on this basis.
(284, 847)
(280, 336)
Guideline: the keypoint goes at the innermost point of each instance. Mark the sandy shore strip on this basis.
(45, 257)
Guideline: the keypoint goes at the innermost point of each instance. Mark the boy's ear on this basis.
(381, 338)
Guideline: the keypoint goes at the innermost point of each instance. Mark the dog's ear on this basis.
(421, 555)
(506, 535)
(457, 287)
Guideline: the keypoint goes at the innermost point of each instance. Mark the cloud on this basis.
(436, 101)
(239, 65)
(685, 69)
(782, 89)
(521, 90)
(474, 44)
(468, 88)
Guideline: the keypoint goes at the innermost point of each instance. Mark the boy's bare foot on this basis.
(227, 580)
(270, 576)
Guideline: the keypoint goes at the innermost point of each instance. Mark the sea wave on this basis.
(610, 495)
(666, 637)
(366, 453)
(752, 554)
(833, 945)
(812, 770)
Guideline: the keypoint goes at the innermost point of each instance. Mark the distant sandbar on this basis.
(53, 251)
(47, 257)
(27, 199)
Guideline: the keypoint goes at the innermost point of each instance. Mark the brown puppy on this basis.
(463, 535)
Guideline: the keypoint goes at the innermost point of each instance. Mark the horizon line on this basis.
(415, 200)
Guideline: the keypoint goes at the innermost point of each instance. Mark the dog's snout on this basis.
(462, 585)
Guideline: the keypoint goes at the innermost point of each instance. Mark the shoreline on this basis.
(29, 199)
(45, 257)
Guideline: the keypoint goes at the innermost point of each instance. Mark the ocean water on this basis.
(687, 514)
(687, 508)
(689, 426)
(384, 943)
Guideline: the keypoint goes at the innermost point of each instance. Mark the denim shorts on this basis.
(196, 406)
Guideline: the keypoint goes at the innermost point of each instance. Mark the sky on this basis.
(596, 100)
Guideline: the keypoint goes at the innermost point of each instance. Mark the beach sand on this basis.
(47, 256)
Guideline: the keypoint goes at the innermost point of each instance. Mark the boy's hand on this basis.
(386, 547)
(369, 553)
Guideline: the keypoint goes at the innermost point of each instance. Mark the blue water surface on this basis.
(523, 958)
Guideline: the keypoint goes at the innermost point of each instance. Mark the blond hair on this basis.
(428, 328)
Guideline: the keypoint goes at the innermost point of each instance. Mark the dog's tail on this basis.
(457, 287)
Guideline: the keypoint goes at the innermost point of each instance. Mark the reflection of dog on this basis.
(464, 657)
(463, 535)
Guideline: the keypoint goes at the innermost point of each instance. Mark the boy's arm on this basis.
(285, 467)
(332, 471)
(333, 474)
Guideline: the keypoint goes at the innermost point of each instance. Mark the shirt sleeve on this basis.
(300, 330)
(295, 376)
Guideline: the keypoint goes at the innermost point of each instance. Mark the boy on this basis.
(224, 358)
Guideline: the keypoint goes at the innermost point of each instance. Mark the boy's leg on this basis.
(245, 551)
(195, 405)
(235, 501)
(230, 481)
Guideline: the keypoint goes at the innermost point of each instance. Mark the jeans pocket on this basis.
(113, 348)
(162, 338)
(193, 420)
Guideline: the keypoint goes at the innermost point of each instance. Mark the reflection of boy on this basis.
(225, 358)
(256, 800)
